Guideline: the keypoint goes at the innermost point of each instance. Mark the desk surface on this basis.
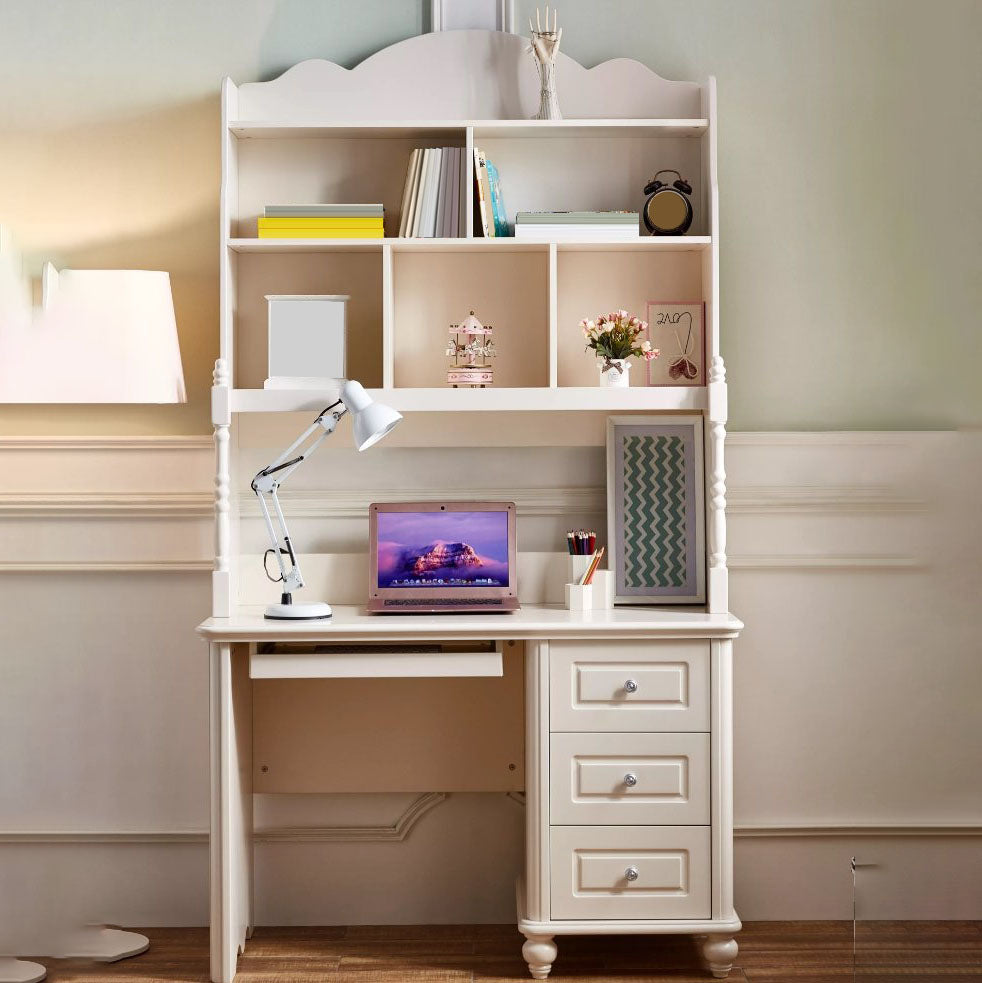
(352, 623)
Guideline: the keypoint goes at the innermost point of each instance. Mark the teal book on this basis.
(497, 202)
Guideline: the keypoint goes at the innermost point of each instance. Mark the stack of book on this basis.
(565, 226)
(433, 202)
(489, 206)
(322, 222)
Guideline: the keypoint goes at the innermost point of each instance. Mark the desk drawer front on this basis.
(629, 872)
(629, 686)
(642, 779)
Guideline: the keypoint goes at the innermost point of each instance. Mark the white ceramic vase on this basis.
(613, 379)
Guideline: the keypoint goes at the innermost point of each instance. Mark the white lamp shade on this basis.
(370, 421)
(103, 336)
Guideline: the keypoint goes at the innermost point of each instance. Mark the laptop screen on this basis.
(443, 549)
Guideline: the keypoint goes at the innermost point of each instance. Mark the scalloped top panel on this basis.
(462, 75)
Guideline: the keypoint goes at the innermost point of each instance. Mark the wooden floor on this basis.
(770, 952)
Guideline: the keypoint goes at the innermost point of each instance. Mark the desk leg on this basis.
(231, 807)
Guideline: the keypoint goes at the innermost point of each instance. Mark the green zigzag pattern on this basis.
(654, 511)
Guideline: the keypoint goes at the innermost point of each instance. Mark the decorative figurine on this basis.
(470, 346)
(545, 47)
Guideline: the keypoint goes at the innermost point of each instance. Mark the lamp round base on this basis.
(316, 611)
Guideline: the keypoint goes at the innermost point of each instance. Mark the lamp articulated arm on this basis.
(268, 481)
(370, 421)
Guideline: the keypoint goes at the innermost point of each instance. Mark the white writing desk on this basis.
(676, 690)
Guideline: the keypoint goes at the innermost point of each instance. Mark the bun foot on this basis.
(720, 951)
(540, 953)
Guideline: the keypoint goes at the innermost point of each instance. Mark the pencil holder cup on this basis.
(579, 597)
(603, 590)
(576, 566)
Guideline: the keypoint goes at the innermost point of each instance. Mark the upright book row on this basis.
(433, 201)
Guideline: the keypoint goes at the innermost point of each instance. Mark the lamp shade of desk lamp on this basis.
(370, 421)
(102, 336)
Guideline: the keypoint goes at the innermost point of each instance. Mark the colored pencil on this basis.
(592, 569)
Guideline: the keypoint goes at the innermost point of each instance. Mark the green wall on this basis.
(849, 175)
(850, 197)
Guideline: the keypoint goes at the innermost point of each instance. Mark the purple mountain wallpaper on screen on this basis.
(443, 549)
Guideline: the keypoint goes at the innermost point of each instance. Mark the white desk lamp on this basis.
(371, 421)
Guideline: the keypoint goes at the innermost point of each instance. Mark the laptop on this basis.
(442, 557)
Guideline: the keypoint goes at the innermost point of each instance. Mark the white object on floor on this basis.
(104, 945)
(20, 971)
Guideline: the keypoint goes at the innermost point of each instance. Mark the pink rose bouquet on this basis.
(618, 335)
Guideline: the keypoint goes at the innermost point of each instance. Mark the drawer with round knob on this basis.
(629, 686)
(629, 779)
(629, 872)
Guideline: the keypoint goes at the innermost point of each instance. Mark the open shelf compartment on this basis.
(508, 290)
(356, 274)
(591, 282)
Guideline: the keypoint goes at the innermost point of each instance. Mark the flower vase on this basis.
(614, 373)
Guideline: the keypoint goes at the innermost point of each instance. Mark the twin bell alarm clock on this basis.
(668, 208)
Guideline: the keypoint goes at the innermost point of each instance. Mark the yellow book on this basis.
(320, 234)
(341, 221)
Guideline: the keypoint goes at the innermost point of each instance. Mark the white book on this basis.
(425, 164)
(441, 192)
(407, 192)
(566, 232)
(322, 210)
(465, 188)
(431, 193)
(448, 215)
(454, 216)
(446, 205)
(482, 201)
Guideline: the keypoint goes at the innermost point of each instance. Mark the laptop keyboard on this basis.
(442, 602)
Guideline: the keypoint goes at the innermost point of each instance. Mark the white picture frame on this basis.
(656, 553)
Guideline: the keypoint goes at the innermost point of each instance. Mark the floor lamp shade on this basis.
(102, 336)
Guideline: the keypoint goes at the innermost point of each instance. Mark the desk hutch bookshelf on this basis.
(321, 132)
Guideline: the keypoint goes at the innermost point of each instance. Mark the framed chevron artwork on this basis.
(655, 509)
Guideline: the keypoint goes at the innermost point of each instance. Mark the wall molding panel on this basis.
(849, 522)
(116, 444)
(350, 504)
(394, 832)
(824, 562)
(105, 566)
(400, 829)
(124, 506)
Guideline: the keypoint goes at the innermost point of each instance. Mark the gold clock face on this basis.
(666, 209)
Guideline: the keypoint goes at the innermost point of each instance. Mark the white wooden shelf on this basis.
(642, 243)
(488, 129)
(538, 128)
(406, 400)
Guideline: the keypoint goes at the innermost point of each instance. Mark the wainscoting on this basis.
(856, 719)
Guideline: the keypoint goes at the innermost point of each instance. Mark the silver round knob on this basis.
(631, 686)
(630, 780)
(632, 873)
